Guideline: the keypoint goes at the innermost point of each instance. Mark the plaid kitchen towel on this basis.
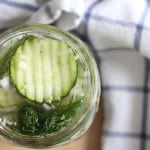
(118, 33)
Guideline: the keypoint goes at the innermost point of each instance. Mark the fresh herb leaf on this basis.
(38, 122)
(29, 119)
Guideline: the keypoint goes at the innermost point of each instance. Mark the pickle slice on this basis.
(43, 69)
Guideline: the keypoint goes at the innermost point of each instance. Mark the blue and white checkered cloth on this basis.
(118, 33)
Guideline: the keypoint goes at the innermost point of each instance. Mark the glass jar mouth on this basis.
(93, 90)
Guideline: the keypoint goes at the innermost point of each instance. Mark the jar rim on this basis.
(94, 75)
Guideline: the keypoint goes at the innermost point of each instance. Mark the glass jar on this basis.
(88, 110)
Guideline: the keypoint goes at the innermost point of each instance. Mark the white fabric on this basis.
(14, 12)
(118, 33)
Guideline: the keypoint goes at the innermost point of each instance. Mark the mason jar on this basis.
(90, 88)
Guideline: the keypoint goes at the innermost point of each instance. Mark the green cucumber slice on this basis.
(43, 69)
(9, 99)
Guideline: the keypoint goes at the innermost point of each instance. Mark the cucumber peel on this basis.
(43, 69)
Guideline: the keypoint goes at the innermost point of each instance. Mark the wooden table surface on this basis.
(90, 141)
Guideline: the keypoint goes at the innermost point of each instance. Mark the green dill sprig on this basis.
(33, 121)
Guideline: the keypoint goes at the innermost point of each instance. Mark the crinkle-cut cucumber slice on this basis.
(43, 69)
(9, 99)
